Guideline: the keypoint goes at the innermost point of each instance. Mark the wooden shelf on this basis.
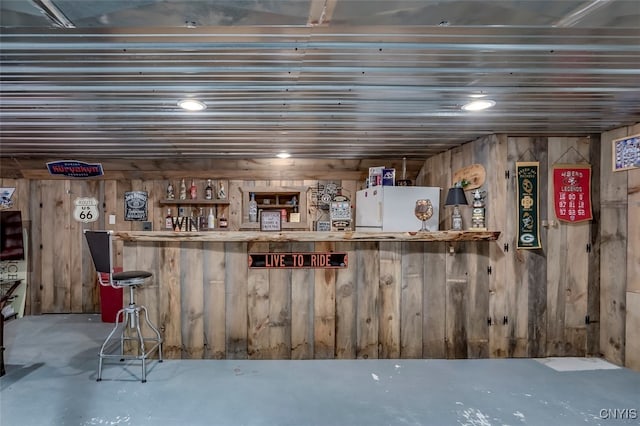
(196, 202)
(293, 236)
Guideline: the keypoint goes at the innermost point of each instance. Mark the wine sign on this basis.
(298, 260)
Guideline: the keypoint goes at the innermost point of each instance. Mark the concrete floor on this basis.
(52, 360)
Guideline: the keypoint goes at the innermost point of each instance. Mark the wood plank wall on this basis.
(620, 257)
(536, 300)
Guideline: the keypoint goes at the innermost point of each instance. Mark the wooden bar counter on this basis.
(402, 295)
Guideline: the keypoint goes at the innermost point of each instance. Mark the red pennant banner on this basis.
(572, 192)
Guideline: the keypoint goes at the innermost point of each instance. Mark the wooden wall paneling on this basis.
(157, 191)
(84, 287)
(170, 299)
(234, 210)
(36, 252)
(613, 278)
(632, 346)
(462, 156)
(236, 299)
(367, 299)
(346, 303)
(56, 285)
(613, 252)
(633, 229)
(518, 269)
(389, 293)
(145, 258)
(214, 300)
(192, 299)
(457, 302)
(477, 260)
(302, 286)
(632, 330)
(415, 283)
(593, 293)
(258, 295)
(577, 274)
(537, 264)
(280, 307)
(434, 291)
(324, 322)
(498, 217)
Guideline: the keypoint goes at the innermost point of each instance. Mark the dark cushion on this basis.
(129, 275)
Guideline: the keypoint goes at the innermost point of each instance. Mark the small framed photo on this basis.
(626, 153)
(270, 220)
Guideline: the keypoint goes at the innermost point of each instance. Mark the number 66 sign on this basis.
(86, 210)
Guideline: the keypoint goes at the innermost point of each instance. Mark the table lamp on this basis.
(456, 198)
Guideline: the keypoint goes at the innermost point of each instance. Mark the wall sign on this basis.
(626, 153)
(86, 210)
(5, 197)
(135, 205)
(298, 260)
(72, 168)
(270, 220)
(528, 205)
(572, 192)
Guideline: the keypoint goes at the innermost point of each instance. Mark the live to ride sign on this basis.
(298, 260)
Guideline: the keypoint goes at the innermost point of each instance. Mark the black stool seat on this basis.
(130, 275)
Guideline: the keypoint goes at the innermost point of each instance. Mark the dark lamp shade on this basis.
(456, 197)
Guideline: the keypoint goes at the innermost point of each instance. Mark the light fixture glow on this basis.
(478, 105)
(283, 154)
(477, 95)
(192, 105)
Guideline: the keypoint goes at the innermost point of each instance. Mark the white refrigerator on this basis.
(391, 208)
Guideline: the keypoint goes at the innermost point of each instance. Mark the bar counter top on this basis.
(305, 236)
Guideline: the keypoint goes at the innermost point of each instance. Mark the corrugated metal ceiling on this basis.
(317, 78)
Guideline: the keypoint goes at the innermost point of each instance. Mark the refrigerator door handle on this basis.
(380, 213)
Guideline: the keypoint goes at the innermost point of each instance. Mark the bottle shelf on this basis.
(196, 202)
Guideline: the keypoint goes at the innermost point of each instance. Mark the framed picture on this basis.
(625, 153)
(270, 220)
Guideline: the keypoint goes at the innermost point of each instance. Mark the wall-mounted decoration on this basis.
(270, 220)
(572, 192)
(473, 176)
(73, 168)
(298, 260)
(135, 205)
(528, 205)
(5, 197)
(86, 210)
(626, 153)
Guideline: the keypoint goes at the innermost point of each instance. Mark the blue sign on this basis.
(74, 168)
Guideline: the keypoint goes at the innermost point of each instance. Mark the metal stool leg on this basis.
(106, 341)
(131, 321)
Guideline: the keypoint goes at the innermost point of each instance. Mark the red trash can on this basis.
(110, 300)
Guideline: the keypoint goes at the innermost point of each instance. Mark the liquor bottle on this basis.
(193, 190)
(211, 219)
(170, 193)
(203, 219)
(208, 191)
(221, 193)
(183, 190)
(253, 208)
(222, 222)
(168, 221)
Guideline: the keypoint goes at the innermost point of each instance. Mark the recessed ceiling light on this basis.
(192, 105)
(477, 95)
(283, 154)
(478, 105)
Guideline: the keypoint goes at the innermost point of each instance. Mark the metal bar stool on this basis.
(100, 246)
